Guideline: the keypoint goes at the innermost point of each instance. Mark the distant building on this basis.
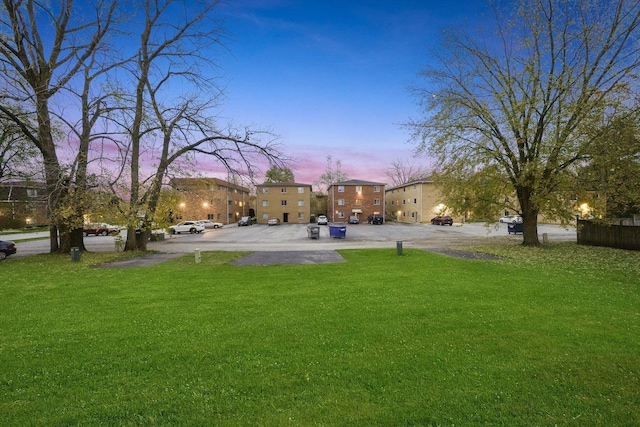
(210, 198)
(414, 202)
(288, 201)
(355, 198)
(23, 204)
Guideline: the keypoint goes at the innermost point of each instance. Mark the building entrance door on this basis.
(285, 217)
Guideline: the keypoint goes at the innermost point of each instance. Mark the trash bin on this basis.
(313, 231)
(75, 254)
(119, 243)
(515, 228)
(156, 237)
(338, 231)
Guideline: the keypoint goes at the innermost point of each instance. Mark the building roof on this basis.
(194, 182)
(356, 182)
(283, 184)
(406, 184)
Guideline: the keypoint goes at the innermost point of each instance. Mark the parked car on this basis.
(273, 221)
(322, 220)
(100, 229)
(187, 227)
(245, 220)
(6, 249)
(511, 219)
(375, 219)
(354, 220)
(210, 224)
(442, 220)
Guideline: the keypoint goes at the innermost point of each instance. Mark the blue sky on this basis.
(332, 77)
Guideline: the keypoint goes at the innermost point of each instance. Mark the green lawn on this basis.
(544, 337)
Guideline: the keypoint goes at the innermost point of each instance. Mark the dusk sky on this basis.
(332, 77)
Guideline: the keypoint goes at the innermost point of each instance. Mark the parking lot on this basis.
(294, 237)
(289, 237)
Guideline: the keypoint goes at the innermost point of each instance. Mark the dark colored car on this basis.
(375, 219)
(245, 220)
(100, 229)
(6, 249)
(442, 220)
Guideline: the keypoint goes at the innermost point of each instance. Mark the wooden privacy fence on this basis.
(614, 236)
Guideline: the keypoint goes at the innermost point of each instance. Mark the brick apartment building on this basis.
(23, 204)
(288, 201)
(355, 198)
(211, 198)
(414, 202)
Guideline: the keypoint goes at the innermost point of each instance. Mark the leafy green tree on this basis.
(517, 106)
(279, 174)
(610, 180)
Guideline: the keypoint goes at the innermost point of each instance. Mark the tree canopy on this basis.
(279, 174)
(518, 105)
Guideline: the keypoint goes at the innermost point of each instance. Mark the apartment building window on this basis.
(415, 201)
(413, 214)
(229, 202)
(283, 190)
(358, 188)
(32, 192)
(340, 214)
(376, 201)
(265, 190)
(265, 216)
(340, 202)
(403, 201)
(265, 203)
(283, 203)
(392, 202)
(340, 188)
(300, 215)
(358, 202)
(376, 188)
(300, 190)
(210, 217)
(300, 202)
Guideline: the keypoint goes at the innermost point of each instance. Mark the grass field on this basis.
(544, 337)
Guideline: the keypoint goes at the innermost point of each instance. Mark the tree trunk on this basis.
(529, 218)
(76, 239)
(131, 243)
(142, 238)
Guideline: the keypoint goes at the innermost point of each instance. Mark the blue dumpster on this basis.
(338, 231)
(515, 228)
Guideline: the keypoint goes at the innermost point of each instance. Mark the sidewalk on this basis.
(23, 236)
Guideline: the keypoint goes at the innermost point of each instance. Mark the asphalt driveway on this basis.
(288, 238)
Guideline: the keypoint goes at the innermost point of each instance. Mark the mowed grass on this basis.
(543, 337)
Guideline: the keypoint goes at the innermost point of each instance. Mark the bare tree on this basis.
(518, 107)
(172, 127)
(19, 158)
(42, 48)
(331, 175)
(401, 172)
